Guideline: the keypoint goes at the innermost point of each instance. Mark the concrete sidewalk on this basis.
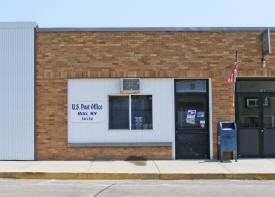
(153, 169)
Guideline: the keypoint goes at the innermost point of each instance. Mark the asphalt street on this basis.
(89, 188)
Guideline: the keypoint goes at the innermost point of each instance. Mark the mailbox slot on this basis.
(227, 125)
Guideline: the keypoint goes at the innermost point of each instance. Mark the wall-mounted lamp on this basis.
(266, 45)
(263, 62)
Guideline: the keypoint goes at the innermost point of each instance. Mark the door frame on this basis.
(259, 95)
(210, 124)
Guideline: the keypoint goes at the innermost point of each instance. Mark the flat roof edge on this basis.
(129, 29)
(14, 25)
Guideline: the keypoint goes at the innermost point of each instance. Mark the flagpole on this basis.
(233, 104)
(234, 82)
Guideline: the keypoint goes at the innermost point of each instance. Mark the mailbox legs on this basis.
(220, 155)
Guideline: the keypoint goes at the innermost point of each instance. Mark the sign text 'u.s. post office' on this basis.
(86, 112)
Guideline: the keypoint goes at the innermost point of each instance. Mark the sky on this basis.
(140, 13)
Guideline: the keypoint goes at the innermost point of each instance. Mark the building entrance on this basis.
(255, 116)
(191, 123)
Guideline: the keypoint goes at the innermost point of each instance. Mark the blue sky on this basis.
(140, 13)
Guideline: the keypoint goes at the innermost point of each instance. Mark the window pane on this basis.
(141, 112)
(249, 112)
(269, 112)
(118, 112)
(192, 112)
(256, 86)
(190, 86)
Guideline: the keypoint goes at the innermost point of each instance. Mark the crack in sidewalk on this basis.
(104, 189)
(227, 169)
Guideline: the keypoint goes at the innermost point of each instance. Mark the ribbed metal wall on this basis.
(17, 91)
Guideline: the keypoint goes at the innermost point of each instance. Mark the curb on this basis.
(167, 176)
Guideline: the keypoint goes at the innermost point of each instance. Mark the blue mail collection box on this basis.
(227, 138)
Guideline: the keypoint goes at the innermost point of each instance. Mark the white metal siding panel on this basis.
(17, 92)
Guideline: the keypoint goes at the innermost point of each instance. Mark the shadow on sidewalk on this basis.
(216, 161)
(138, 161)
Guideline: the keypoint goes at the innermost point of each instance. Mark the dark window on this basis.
(192, 111)
(248, 112)
(118, 112)
(269, 112)
(190, 86)
(255, 86)
(141, 112)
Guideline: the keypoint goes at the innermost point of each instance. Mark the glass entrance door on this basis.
(255, 116)
(249, 123)
(256, 122)
(268, 129)
(191, 123)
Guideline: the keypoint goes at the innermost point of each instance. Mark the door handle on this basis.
(262, 131)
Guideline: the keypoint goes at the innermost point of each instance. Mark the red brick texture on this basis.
(65, 55)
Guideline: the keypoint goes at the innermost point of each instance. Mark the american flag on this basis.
(233, 76)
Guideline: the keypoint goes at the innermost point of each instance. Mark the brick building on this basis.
(82, 112)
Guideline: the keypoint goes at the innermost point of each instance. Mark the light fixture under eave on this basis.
(263, 63)
(266, 45)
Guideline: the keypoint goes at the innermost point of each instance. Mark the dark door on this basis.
(268, 126)
(249, 124)
(256, 119)
(191, 123)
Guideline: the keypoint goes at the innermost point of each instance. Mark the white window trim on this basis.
(210, 119)
(130, 112)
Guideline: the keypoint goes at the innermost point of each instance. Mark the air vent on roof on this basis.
(129, 85)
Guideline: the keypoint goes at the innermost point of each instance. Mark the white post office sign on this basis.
(86, 112)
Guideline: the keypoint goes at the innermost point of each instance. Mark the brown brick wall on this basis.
(66, 55)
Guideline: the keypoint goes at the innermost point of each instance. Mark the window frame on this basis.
(130, 112)
(109, 112)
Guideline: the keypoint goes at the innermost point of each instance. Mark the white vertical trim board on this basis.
(174, 118)
(17, 91)
(210, 120)
(130, 112)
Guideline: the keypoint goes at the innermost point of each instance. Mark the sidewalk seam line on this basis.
(156, 167)
(90, 166)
